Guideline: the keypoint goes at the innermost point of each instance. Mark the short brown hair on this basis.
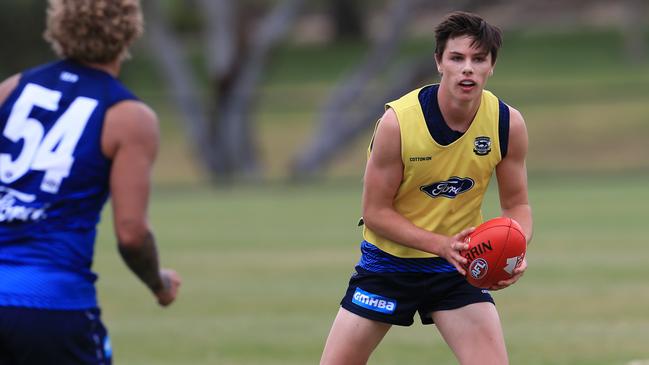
(460, 23)
(98, 31)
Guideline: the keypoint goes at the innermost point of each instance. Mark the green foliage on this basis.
(264, 268)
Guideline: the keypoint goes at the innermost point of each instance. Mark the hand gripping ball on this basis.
(496, 248)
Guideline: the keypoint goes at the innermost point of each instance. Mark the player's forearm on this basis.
(390, 224)
(523, 215)
(142, 259)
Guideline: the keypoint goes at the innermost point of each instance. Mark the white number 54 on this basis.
(51, 153)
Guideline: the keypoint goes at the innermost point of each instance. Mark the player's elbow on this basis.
(371, 218)
(131, 233)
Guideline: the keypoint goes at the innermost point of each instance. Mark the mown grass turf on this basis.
(264, 268)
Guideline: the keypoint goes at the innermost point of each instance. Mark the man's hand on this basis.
(518, 273)
(170, 283)
(451, 248)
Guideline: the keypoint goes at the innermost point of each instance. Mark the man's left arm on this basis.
(512, 185)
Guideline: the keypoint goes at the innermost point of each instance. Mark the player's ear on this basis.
(437, 62)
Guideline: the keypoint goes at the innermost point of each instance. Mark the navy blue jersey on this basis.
(54, 181)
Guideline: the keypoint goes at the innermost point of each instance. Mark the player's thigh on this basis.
(352, 339)
(474, 333)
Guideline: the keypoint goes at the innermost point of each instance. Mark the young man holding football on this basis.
(430, 161)
(71, 135)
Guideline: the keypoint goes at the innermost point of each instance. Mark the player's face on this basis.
(465, 69)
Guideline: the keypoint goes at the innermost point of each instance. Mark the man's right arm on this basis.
(130, 140)
(383, 176)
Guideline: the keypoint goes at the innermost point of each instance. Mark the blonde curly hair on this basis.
(96, 31)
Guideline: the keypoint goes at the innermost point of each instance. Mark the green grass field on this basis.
(265, 267)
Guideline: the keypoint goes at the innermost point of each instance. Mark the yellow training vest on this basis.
(443, 186)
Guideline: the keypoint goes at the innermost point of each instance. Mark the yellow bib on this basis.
(443, 186)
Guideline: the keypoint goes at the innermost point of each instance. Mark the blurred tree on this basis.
(347, 17)
(236, 54)
(345, 113)
(237, 40)
(635, 30)
(357, 100)
(22, 23)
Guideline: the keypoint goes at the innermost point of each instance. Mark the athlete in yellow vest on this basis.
(429, 164)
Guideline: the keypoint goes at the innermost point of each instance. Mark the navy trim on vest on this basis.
(437, 127)
(503, 127)
(375, 260)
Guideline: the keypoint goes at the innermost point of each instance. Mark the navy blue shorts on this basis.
(38, 336)
(395, 297)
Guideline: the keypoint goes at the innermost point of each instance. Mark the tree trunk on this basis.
(347, 17)
(635, 31)
(224, 141)
(183, 87)
(353, 105)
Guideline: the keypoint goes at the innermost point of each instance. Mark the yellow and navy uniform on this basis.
(444, 181)
(445, 177)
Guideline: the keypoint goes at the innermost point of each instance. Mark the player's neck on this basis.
(458, 114)
(113, 68)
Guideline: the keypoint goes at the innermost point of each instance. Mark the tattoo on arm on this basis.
(143, 261)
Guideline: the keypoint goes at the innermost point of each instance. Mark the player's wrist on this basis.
(160, 285)
(436, 245)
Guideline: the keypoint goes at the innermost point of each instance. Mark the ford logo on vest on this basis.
(449, 188)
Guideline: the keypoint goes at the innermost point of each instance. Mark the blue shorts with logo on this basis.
(389, 289)
(37, 336)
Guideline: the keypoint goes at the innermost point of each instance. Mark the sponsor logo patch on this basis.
(16, 206)
(449, 188)
(69, 77)
(374, 302)
(478, 268)
(482, 145)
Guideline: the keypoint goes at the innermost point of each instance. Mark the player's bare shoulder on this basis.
(516, 122)
(7, 86)
(129, 122)
(387, 137)
(389, 120)
(518, 139)
(388, 127)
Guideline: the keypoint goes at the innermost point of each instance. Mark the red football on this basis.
(496, 248)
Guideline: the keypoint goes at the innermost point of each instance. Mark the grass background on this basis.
(264, 269)
(264, 265)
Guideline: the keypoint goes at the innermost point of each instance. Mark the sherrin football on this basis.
(496, 248)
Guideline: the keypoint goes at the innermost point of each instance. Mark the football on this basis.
(496, 248)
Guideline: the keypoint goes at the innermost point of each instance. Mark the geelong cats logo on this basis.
(482, 145)
(449, 188)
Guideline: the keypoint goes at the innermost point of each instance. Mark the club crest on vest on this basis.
(482, 145)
